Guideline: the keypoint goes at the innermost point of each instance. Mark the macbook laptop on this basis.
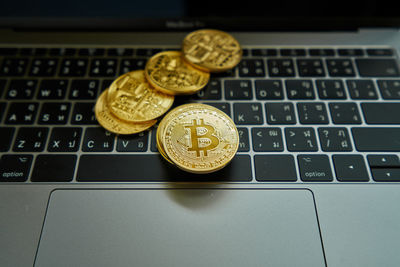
(315, 98)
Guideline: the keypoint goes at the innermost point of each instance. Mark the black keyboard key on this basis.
(30, 139)
(91, 51)
(292, 52)
(310, 67)
(280, 113)
(43, 67)
(268, 89)
(340, 68)
(350, 52)
(15, 168)
(8, 51)
(362, 89)
(130, 168)
(64, 139)
(345, 113)
(247, 113)
(275, 168)
(264, 52)
(330, 89)
(386, 174)
(2, 109)
(54, 113)
(133, 143)
(6, 137)
(334, 139)
(212, 91)
(251, 68)
(83, 113)
(120, 52)
(312, 113)
(14, 66)
(52, 89)
(84, 89)
(73, 67)
(238, 89)
(3, 83)
(147, 52)
(54, 168)
(280, 68)
(300, 89)
(21, 89)
(22, 113)
(26, 51)
(381, 113)
(390, 89)
(267, 139)
(383, 161)
(97, 140)
(103, 67)
(62, 51)
(314, 168)
(377, 67)
(128, 65)
(225, 107)
(244, 143)
(301, 139)
(380, 52)
(377, 139)
(39, 51)
(321, 52)
(350, 168)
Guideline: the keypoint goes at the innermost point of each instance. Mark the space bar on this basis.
(152, 168)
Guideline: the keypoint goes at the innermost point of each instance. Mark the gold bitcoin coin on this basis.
(114, 124)
(211, 50)
(199, 138)
(169, 73)
(131, 98)
(160, 145)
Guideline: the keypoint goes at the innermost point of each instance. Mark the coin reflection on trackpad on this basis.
(181, 227)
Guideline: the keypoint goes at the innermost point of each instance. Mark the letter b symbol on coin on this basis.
(202, 138)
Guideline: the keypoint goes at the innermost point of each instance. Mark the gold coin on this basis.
(160, 145)
(169, 73)
(114, 124)
(212, 50)
(131, 98)
(199, 138)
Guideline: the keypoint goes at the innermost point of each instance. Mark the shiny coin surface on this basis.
(114, 124)
(131, 98)
(212, 50)
(199, 138)
(169, 73)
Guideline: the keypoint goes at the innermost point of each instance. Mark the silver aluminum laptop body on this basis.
(202, 223)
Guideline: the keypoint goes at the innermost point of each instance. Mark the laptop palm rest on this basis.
(181, 227)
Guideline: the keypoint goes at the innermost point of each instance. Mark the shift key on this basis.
(377, 139)
(15, 168)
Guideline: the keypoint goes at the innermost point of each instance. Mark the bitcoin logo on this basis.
(202, 138)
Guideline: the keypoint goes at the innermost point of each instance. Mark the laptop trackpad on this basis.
(181, 227)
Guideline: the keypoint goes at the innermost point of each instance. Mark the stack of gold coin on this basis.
(131, 105)
(197, 138)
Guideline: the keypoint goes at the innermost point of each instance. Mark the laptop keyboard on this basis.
(304, 114)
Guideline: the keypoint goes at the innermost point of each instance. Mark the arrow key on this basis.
(386, 174)
(350, 168)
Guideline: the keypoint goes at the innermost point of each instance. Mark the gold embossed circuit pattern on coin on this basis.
(169, 73)
(212, 50)
(200, 139)
(131, 98)
(112, 123)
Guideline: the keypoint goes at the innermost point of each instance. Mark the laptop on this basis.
(315, 98)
